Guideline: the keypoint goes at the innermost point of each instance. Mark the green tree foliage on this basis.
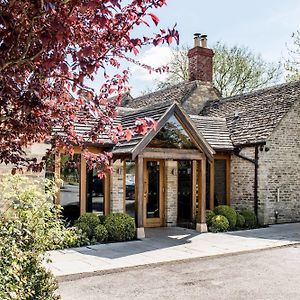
(237, 69)
(292, 63)
(29, 226)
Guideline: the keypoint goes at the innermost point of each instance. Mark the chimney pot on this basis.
(203, 41)
(197, 37)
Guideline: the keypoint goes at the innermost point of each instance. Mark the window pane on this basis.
(70, 191)
(95, 193)
(185, 195)
(130, 188)
(172, 135)
(220, 182)
(153, 189)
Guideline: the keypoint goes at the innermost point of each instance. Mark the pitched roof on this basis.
(178, 93)
(252, 117)
(128, 121)
(214, 130)
(160, 113)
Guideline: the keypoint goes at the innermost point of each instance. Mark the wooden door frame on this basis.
(227, 158)
(83, 180)
(155, 222)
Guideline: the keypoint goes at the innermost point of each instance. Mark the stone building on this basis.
(243, 151)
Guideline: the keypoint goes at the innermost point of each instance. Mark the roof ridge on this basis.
(254, 92)
(165, 89)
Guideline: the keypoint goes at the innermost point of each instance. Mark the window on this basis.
(130, 188)
(70, 188)
(95, 193)
(220, 182)
(172, 135)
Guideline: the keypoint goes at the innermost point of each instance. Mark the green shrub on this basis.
(100, 233)
(240, 220)
(75, 237)
(87, 223)
(101, 219)
(209, 215)
(120, 227)
(250, 218)
(219, 223)
(227, 212)
(30, 226)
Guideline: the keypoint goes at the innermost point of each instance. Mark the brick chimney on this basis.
(200, 59)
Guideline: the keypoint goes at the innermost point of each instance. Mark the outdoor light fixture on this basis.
(174, 172)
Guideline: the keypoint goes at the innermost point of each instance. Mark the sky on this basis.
(264, 26)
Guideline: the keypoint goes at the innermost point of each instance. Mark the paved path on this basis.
(169, 244)
(269, 274)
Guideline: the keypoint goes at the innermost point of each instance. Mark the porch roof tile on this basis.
(214, 130)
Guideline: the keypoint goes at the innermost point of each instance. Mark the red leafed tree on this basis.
(49, 50)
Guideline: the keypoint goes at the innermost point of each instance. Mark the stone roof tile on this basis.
(252, 117)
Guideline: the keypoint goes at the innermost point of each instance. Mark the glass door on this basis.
(153, 193)
(95, 193)
(185, 192)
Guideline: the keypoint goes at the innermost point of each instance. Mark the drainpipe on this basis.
(255, 162)
(256, 181)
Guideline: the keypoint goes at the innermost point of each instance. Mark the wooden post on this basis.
(82, 189)
(194, 191)
(201, 226)
(57, 176)
(212, 186)
(228, 171)
(107, 194)
(140, 197)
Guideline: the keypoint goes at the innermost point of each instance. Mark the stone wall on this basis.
(117, 187)
(279, 171)
(242, 180)
(195, 102)
(171, 184)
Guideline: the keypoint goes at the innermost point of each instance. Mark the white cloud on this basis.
(155, 57)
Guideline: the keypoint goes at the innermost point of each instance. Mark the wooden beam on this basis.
(107, 194)
(124, 186)
(228, 171)
(140, 194)
(203, 191)
(169, 153)
(194, 188)
(152, 133)
(57, 175)
(201, 223)
(194, 133)
(212, 186)
(82, 187)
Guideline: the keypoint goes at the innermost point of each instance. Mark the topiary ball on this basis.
(250, 218)
(100, 233)
(209, 215)
(219, 223)
(101, 219)
(85, 228)
(120, 227)
(87, 223)
(227, 212)
(240, 220)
